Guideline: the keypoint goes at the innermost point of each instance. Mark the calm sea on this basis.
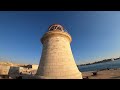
(99, 66)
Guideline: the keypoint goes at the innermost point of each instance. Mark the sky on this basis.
(95, 34)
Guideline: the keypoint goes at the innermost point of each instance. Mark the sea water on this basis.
(99, 66)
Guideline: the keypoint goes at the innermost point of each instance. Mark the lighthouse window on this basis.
(59, 28)
(51, 28)
(55, 28)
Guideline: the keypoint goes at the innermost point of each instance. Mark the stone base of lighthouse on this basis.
(57, 61)
(77, 76)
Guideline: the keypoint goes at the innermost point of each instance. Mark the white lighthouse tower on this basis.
(57, 61)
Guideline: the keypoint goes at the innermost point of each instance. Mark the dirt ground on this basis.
(102, 74)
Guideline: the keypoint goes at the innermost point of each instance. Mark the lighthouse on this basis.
(57, 61)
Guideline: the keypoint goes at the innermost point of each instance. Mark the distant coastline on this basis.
(102, 61)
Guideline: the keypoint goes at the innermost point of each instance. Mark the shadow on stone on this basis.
(117, 77)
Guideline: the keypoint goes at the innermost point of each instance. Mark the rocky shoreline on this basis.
(102, 61)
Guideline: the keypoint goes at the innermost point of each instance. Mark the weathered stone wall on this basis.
(4, 70)
(34, 67)
(57, 60)
(15, 70)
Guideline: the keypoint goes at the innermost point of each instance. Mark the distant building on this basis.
(34, 67)
(4, 71)
(15, 70)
